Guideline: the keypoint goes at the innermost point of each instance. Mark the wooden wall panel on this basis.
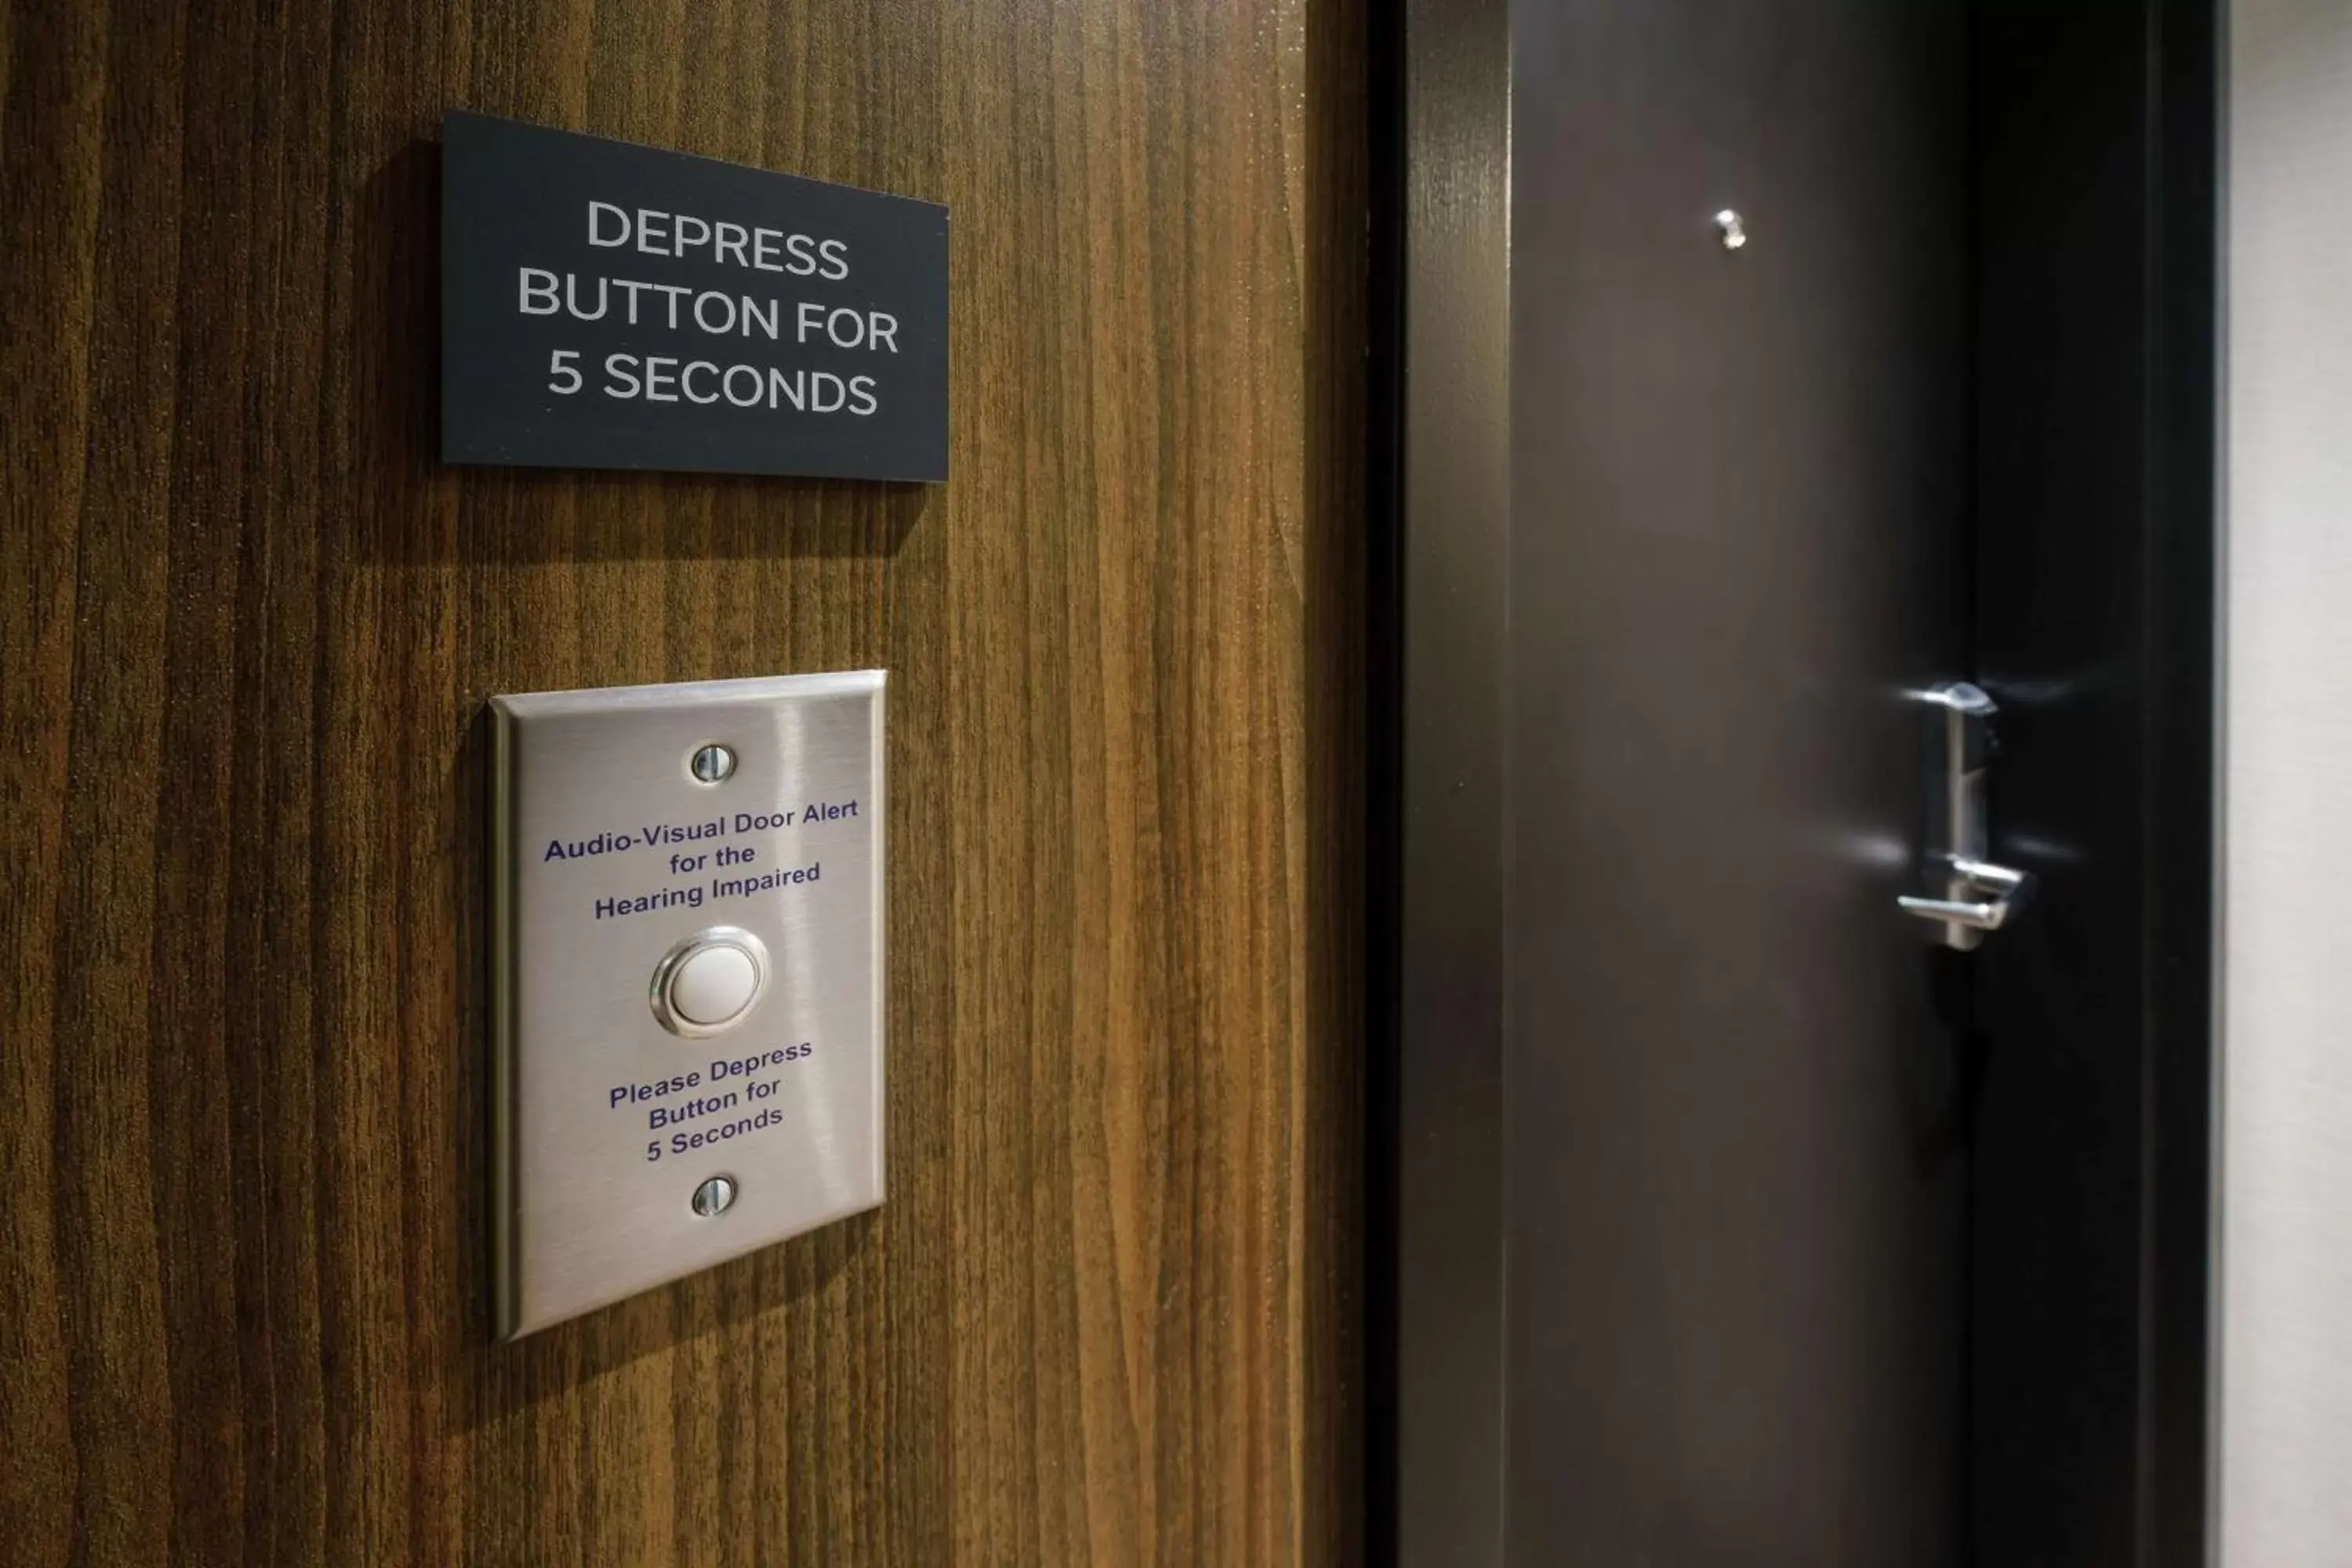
(247, 627)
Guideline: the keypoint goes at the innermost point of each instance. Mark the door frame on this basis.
(1439, 433)
(2096, 470)
(1437, 1382)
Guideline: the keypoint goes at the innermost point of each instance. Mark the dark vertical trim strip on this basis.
(1384, 740)
(2095, 268)
(2182, 584)
(1447, 1352)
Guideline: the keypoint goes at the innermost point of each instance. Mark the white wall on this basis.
(2287, 1203)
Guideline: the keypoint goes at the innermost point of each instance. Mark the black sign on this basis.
(607, 306)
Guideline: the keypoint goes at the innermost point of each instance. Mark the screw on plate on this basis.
(715, 1196)
(713, 763)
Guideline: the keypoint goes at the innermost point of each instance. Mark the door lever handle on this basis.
(2004, 890)
(1972, 894)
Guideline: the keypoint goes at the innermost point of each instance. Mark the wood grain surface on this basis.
(247, 624)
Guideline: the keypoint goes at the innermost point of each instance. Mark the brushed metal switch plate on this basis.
(608, 854)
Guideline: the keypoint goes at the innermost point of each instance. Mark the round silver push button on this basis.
(710, 982)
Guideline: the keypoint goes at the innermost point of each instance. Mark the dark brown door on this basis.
(1738, 541)
(1724, 1218)
(1764, 364)
(1720, 1122)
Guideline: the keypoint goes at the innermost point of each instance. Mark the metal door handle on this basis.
(1971, 895)
(2005, 888)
